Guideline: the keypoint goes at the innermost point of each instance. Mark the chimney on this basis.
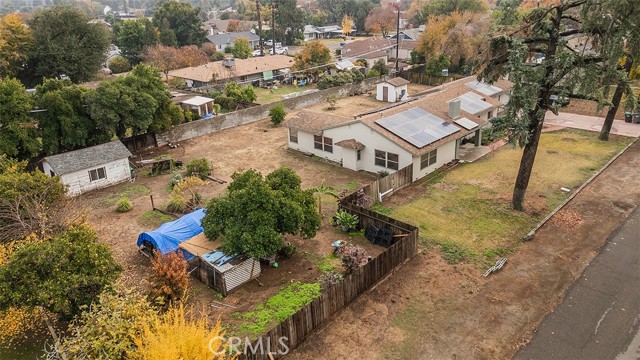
(229, 62)
(454, 108)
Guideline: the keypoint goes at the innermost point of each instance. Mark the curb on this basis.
(531, 233)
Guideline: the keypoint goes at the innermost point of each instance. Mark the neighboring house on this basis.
(376, 48)
(217, 26)
(392, 90)
(199, 105)
(90, 168)
(240, 70)
(426, 133)
(312, 32)
(223, 41)
(499, 91)
(407, 34)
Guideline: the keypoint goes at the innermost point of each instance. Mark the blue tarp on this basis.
(169, 235)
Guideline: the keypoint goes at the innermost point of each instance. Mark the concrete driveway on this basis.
(592, 123)
(599, 318)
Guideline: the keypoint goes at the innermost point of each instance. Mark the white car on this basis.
(270, 43)
(257, 52)
(280, 50)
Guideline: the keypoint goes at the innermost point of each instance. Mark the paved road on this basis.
(592, 123)
(600, 316)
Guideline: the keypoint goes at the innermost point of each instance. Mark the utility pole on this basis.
(273, 29)
(259, 27)
(397, 37)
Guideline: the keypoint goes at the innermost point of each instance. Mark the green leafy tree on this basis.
(61, 275)
(119, 64)
(31, 203)
(66, 43)
(252, 217)
(133, 36)
(444, 7)
(545, 30)
(241, 48)
(66, 125)
(181, 19)
(381, 67)
(240, 93)
(18, 132)
(277, 114)
(135, 103)
(290, 21)
(15, 41)
(436, 64)
(123, 312)
(312, 55)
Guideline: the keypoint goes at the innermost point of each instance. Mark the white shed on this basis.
(90, 168)
(392, 90)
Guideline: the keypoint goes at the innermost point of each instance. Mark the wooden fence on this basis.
(294, 330)
(388, 184)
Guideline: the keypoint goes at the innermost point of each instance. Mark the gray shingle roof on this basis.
(86, 158)
(228, 38)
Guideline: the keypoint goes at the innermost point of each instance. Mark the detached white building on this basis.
(392, 90)
(426, 133)
(90, 168)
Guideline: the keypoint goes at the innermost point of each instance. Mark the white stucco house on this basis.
(90, 168)
(426, 132)
(392, 90)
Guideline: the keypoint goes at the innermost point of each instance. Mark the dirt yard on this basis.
(256, 146)
(429, 309)
(590, 108)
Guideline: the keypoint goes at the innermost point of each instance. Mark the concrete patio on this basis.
(469, 152)
(591, 123)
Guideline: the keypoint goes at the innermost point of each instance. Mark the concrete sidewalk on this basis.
(591, 123)
(600, 316)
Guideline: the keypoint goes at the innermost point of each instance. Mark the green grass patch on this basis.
(351, 185)
(131, 191)
(267, 96)
(154, 218)
(326, 265)
(380, 209)
(467, 211)
(277, 308)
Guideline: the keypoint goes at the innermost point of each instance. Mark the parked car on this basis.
(270, 43)
(257, 52)
(280, 50)
(559, 100)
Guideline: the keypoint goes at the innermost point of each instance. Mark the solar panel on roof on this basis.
(466, 123)
(483, 87)
(473, 103)
(418, 127)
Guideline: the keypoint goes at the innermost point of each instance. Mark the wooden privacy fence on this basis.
(290, 333)
(388, 184)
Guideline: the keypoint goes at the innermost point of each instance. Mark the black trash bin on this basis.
(636, 118)
(627, 117)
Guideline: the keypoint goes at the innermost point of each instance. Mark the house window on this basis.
(428, 159)
(490, 115)
(293, 136)
(358, 154)
(386, 159)
(323, 143)
(97, 174)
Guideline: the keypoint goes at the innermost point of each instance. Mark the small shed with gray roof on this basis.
(90, 168)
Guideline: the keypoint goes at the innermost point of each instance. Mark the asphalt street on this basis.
(599, 318)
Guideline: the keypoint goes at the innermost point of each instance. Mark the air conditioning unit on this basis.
(229, 62)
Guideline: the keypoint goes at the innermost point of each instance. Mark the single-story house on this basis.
(217, 26)
(240, 70)
(392, 90)
(375, 48)
(222, 272)
(223, 41)
(90, 168)
(407, 34)
(312, 32)
(425, 133)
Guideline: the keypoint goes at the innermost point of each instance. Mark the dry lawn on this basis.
(474, 199)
